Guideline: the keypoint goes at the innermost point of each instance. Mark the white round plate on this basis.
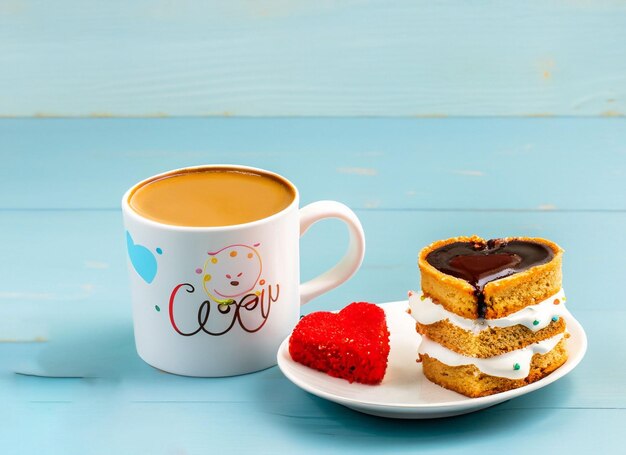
(405, 393)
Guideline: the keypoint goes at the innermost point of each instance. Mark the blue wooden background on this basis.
(504, 119)
(312, 58)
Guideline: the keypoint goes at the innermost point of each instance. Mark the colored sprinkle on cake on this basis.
(352, 344)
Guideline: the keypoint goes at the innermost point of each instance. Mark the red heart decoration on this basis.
(352, 344)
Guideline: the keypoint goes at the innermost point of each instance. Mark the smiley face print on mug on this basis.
(232, 272)
(238, 296)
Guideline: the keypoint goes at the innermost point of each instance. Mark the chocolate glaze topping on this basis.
(479, 263)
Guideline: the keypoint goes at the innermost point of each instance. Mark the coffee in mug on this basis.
(212, 197)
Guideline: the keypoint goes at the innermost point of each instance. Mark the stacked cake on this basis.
(490, 313)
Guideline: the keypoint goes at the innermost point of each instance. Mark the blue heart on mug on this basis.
(144, 262)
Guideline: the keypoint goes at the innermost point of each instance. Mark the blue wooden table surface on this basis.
(71, 382)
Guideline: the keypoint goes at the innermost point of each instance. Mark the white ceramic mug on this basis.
(182, 327)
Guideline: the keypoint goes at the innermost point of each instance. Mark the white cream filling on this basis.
(512, 365)
(535, 317)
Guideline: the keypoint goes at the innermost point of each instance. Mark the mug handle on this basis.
(351, 261)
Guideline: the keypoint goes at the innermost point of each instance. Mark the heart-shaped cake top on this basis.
(352, 344)
(480, 262)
